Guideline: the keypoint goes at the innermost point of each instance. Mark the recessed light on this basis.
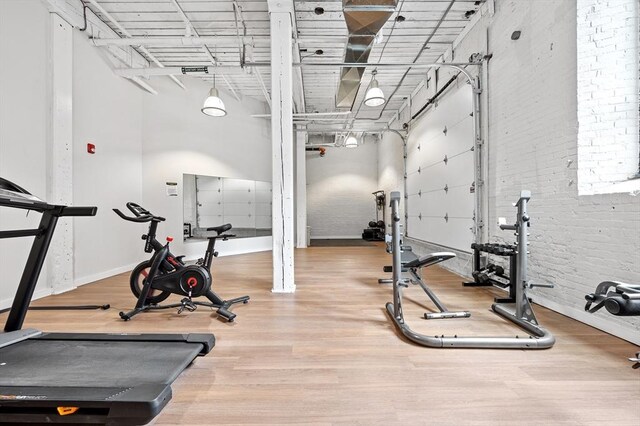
(319, 52)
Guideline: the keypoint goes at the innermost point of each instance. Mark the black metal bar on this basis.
(438, 93)
(20, 233)
(32, 270)
(513, 272)
(70, 308)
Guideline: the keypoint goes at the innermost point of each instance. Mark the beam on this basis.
(200, 71)
(281, 12)
(301, 189)
(73, 14)
(265, 92)
(128, 34)
(191, 30)
(145, 86)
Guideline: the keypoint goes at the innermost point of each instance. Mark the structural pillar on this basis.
(59, 152)
(301, 190)
(282, 145)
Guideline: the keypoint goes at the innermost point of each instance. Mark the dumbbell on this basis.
(484, 275)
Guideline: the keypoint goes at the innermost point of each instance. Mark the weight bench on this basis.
(406, 255)
(413, 265)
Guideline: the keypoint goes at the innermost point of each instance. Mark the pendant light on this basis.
(351, 142)
(213, 105)
(374, 96)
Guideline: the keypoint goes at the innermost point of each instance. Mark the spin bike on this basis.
(154, 280)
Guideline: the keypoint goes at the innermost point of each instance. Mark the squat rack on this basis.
(520, 314)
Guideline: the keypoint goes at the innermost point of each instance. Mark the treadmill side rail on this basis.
(207, 341)
(8, 339)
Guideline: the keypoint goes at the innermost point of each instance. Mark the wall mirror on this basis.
(212, 201)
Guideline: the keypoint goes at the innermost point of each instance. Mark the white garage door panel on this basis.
(209, 183)
(238, 209)
(243, 221)
(208, 221)
(238, 185)
(238, 196)
(434, 203)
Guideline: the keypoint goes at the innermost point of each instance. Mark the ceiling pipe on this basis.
(200, 71)
(306, 114)
(217, 40)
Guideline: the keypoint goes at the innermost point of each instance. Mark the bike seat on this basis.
(220, 229)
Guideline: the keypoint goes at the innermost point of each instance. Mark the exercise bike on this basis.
(154, 280)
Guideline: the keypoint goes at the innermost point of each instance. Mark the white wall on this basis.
(576, 241)
(339, 187)
(179, 139)
(24, 123)
(607, 95)
(107, 111)
(391, 169)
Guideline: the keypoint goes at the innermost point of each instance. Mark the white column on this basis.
(282, 146)
(301, 190)
(59, 153)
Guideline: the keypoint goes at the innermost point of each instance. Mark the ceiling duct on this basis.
(364, 20)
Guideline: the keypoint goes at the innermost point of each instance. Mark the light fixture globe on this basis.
(374, 96)
(213, 105)
(351, 142)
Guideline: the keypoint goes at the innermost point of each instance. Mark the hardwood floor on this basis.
(329, 354)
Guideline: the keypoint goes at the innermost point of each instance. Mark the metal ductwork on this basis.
(364, 20)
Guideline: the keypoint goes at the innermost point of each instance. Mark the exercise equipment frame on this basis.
(520, 313)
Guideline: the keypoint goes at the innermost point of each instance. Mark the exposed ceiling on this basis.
(428, 29)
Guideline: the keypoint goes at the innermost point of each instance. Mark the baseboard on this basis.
(102, 275)
(594, 320)
(336, 237)
(38, 294)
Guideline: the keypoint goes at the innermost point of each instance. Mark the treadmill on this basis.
(80, 378)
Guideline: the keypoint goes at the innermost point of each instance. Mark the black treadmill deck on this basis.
(114, 379)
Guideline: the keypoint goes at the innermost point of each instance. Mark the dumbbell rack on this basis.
(504, 250)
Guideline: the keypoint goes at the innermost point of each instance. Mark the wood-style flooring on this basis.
(329, 354)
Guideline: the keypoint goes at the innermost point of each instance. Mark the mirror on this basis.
(212, 201)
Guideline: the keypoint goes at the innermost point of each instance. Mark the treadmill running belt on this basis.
(57, 363)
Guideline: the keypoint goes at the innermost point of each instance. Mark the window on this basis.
(608, 96)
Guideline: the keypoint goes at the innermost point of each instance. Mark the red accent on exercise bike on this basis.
(192, 282)
(169, 239)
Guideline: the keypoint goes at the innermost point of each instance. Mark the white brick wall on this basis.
(339, 187)
(607, 61)
(577, 240)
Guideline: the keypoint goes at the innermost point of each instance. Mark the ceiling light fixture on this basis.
(351, 142)
(374, 96)
(213, 105)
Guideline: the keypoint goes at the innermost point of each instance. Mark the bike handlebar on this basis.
(141, 214)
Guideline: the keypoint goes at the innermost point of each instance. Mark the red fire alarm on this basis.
(91, 148)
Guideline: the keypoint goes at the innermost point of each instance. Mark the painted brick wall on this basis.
(339, 187)
(576, 240)
(607, 43)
